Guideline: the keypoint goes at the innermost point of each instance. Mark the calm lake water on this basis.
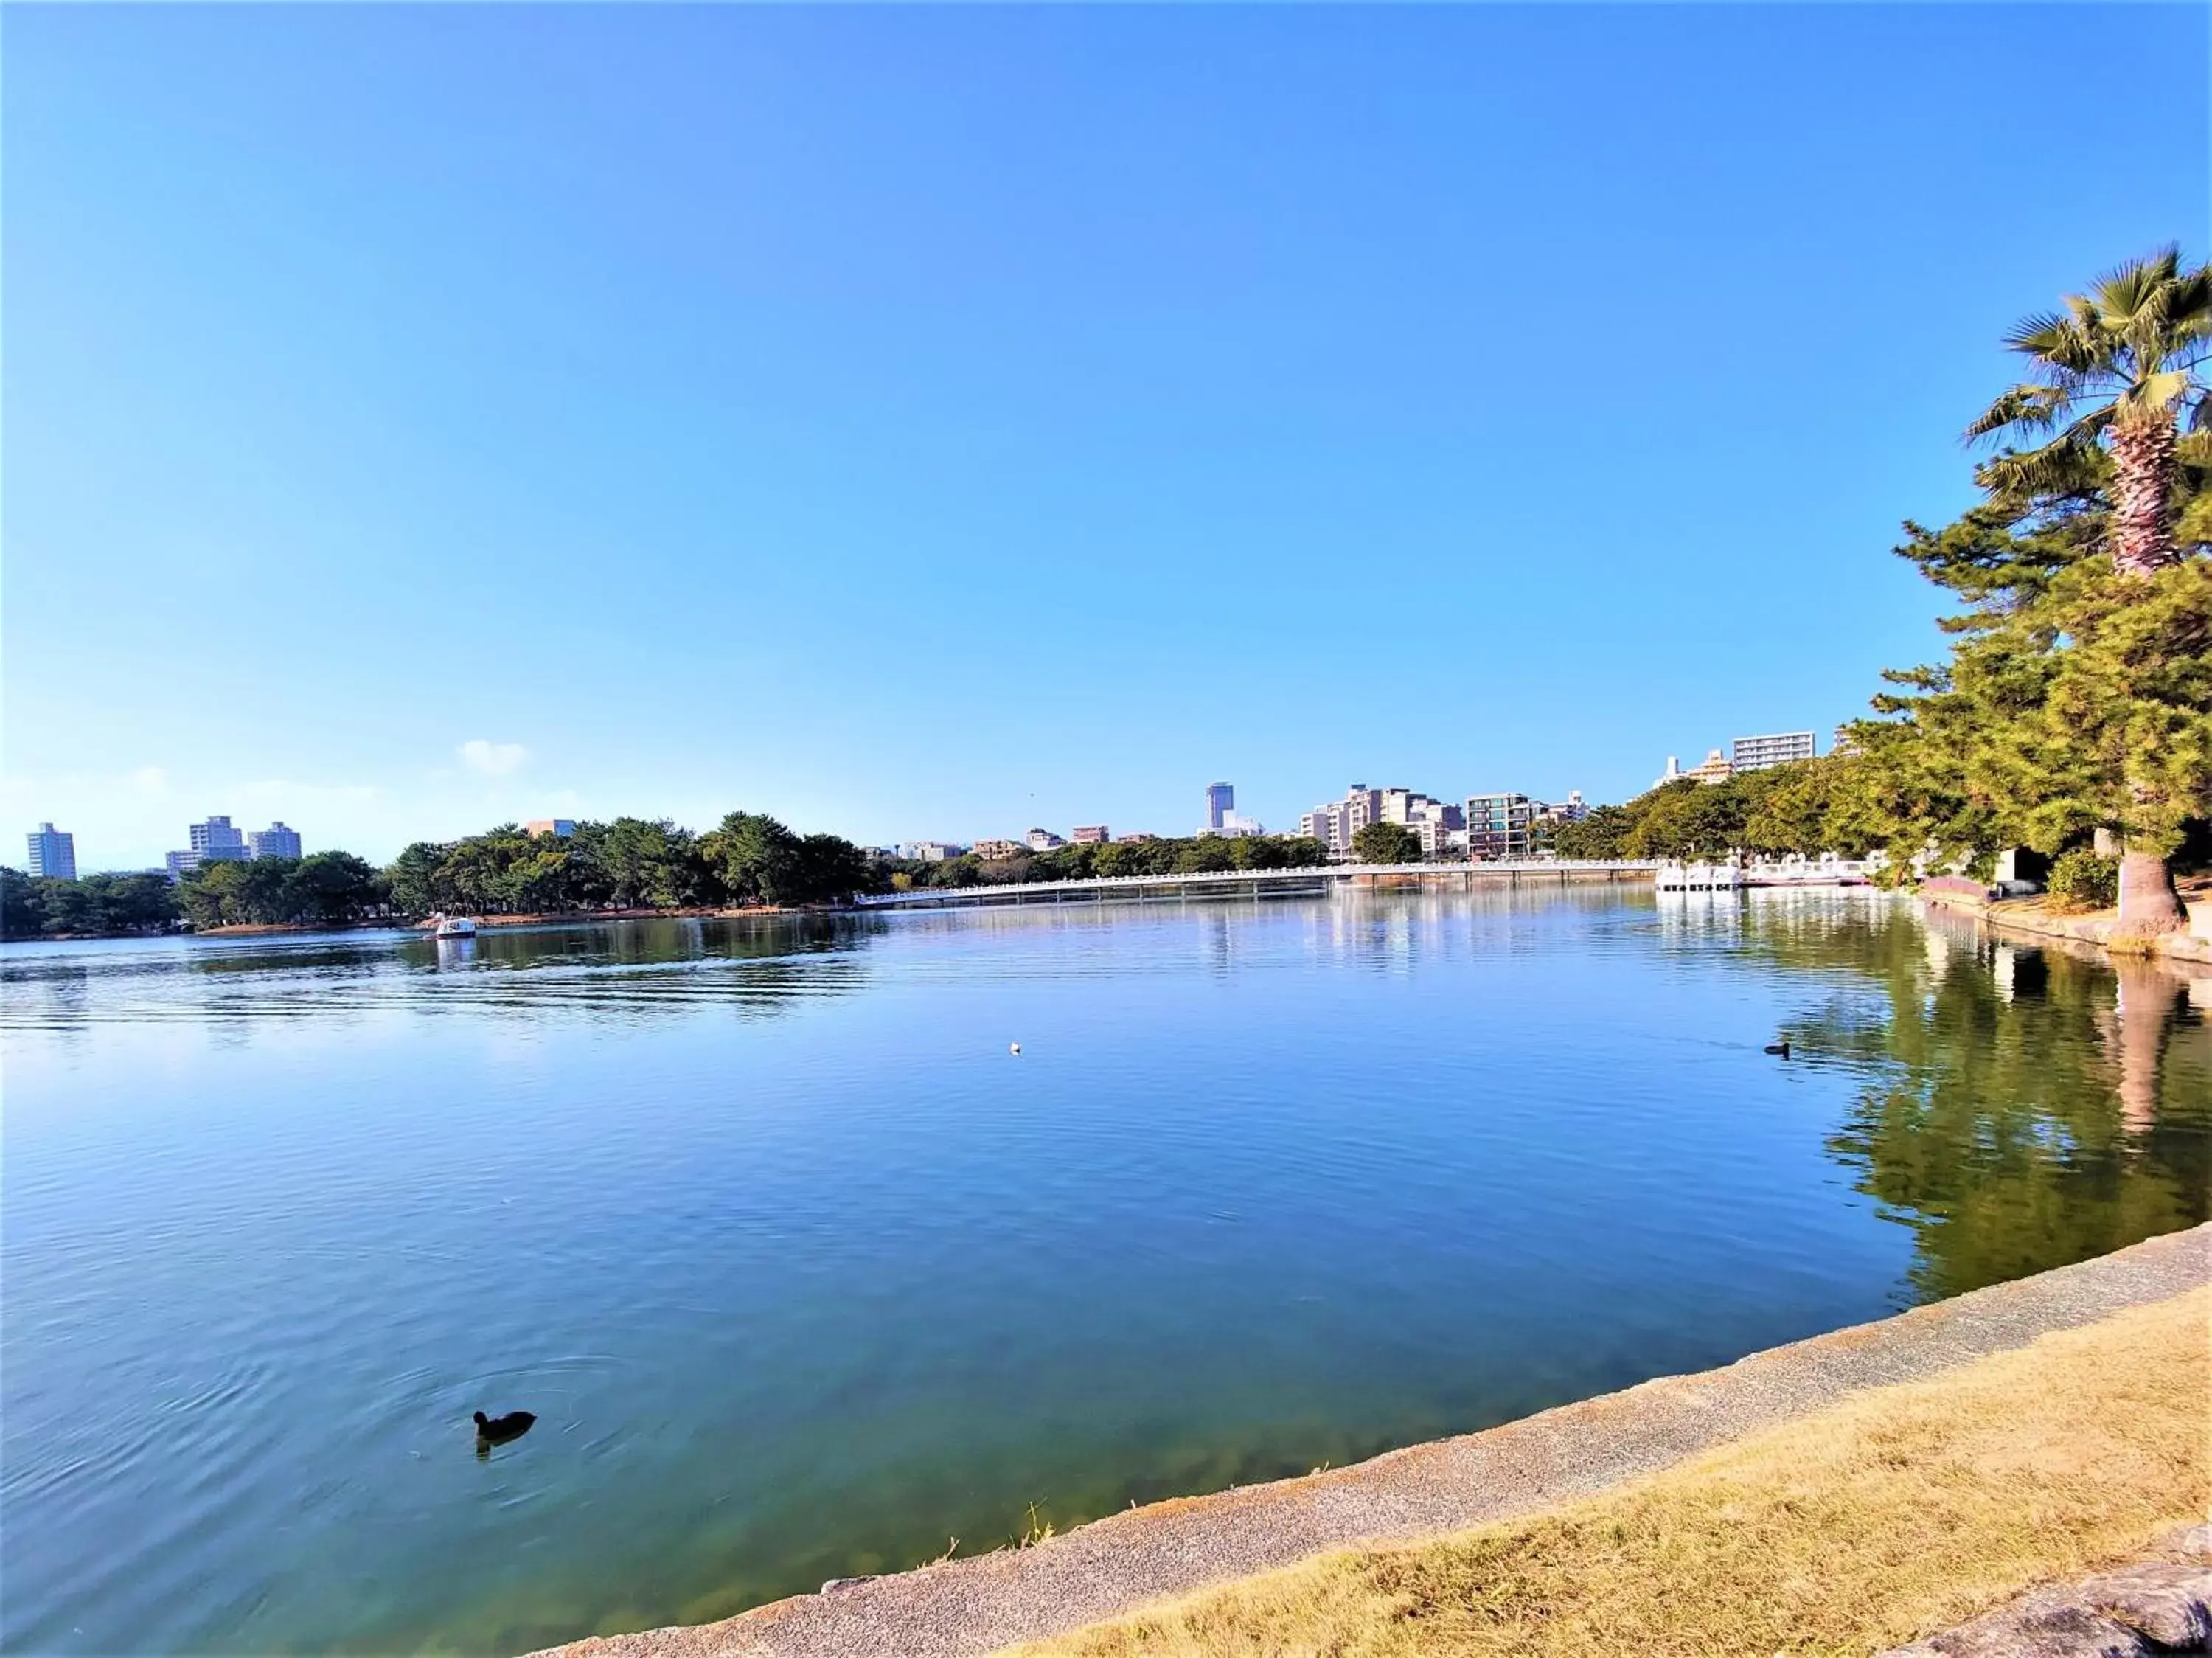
(804, 1274)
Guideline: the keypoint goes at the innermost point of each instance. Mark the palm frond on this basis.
(2133, 285)
(2024, 408)
(2073, 344)
(2066, 466)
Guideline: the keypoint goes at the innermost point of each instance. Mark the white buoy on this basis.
(1015, 1049)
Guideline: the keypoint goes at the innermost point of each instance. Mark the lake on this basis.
(804, 1274)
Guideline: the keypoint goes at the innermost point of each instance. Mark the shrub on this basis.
(2080, 879)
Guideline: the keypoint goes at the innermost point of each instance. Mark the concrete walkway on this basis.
(978, 1605)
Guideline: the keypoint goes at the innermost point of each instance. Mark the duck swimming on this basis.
(1781, 1047)
(497, 1430)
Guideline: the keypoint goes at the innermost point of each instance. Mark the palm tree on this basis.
(2115, 374)
(2120, 366)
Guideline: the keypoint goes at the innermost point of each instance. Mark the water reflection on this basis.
(2148, 1003)
(629, 970)
(2033, 1107)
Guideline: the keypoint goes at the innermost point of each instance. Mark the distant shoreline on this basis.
(398, 925)
(536, 918)
(570, 918)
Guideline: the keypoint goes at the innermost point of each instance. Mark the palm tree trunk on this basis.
(2148, 904)
(2142, 496)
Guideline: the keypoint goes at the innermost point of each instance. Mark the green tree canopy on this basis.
(97, 906)
(323, 889)
(1386, 842)
(2077, 695)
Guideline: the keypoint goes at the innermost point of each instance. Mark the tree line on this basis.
(1807, 807)
(329, 889)
(749, 859)
(2074, 712)
(1194, 855)
(97, 905)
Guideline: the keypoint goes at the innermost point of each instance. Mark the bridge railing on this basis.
(1324, 872)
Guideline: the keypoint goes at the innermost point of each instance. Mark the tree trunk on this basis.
(2143, 494)
(2148, 904)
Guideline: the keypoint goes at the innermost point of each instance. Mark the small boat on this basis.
(453, 927)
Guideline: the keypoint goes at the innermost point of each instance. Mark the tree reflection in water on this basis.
(2029, 1107)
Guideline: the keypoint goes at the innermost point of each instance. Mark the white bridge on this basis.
(1732, 875)
(1273, 883)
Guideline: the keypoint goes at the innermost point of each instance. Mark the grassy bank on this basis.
(1902, 1512)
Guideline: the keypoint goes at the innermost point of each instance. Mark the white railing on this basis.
(1733, 874)
(1324, 871)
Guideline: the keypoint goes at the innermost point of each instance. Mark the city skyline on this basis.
(1051, 394)
(217, 838)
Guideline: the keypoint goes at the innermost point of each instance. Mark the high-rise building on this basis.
(53, 853)
(1500, 825)
(275, 842)
(1090, 834)
(1220, 802)
(215, 842)
(1776, 748)
(1335, 823)
(1043, 840)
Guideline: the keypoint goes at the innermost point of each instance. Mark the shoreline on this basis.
(983, 1604)
(587, 918)
(2028, 918)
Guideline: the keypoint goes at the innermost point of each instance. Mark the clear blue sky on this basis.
(934, 422)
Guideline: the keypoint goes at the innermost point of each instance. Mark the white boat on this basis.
(453, 927)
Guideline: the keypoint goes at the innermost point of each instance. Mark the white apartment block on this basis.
(1776, 748)
(1335, 823)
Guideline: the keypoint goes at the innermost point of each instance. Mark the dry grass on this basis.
(1902, 1512)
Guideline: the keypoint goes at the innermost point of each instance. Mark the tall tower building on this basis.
(53, 853)
(1220, 804)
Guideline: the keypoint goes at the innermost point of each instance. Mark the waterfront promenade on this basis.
(1274, 883)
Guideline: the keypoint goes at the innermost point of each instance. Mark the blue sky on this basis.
(934, 421)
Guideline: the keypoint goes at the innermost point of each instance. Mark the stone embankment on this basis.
(2033, 917)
